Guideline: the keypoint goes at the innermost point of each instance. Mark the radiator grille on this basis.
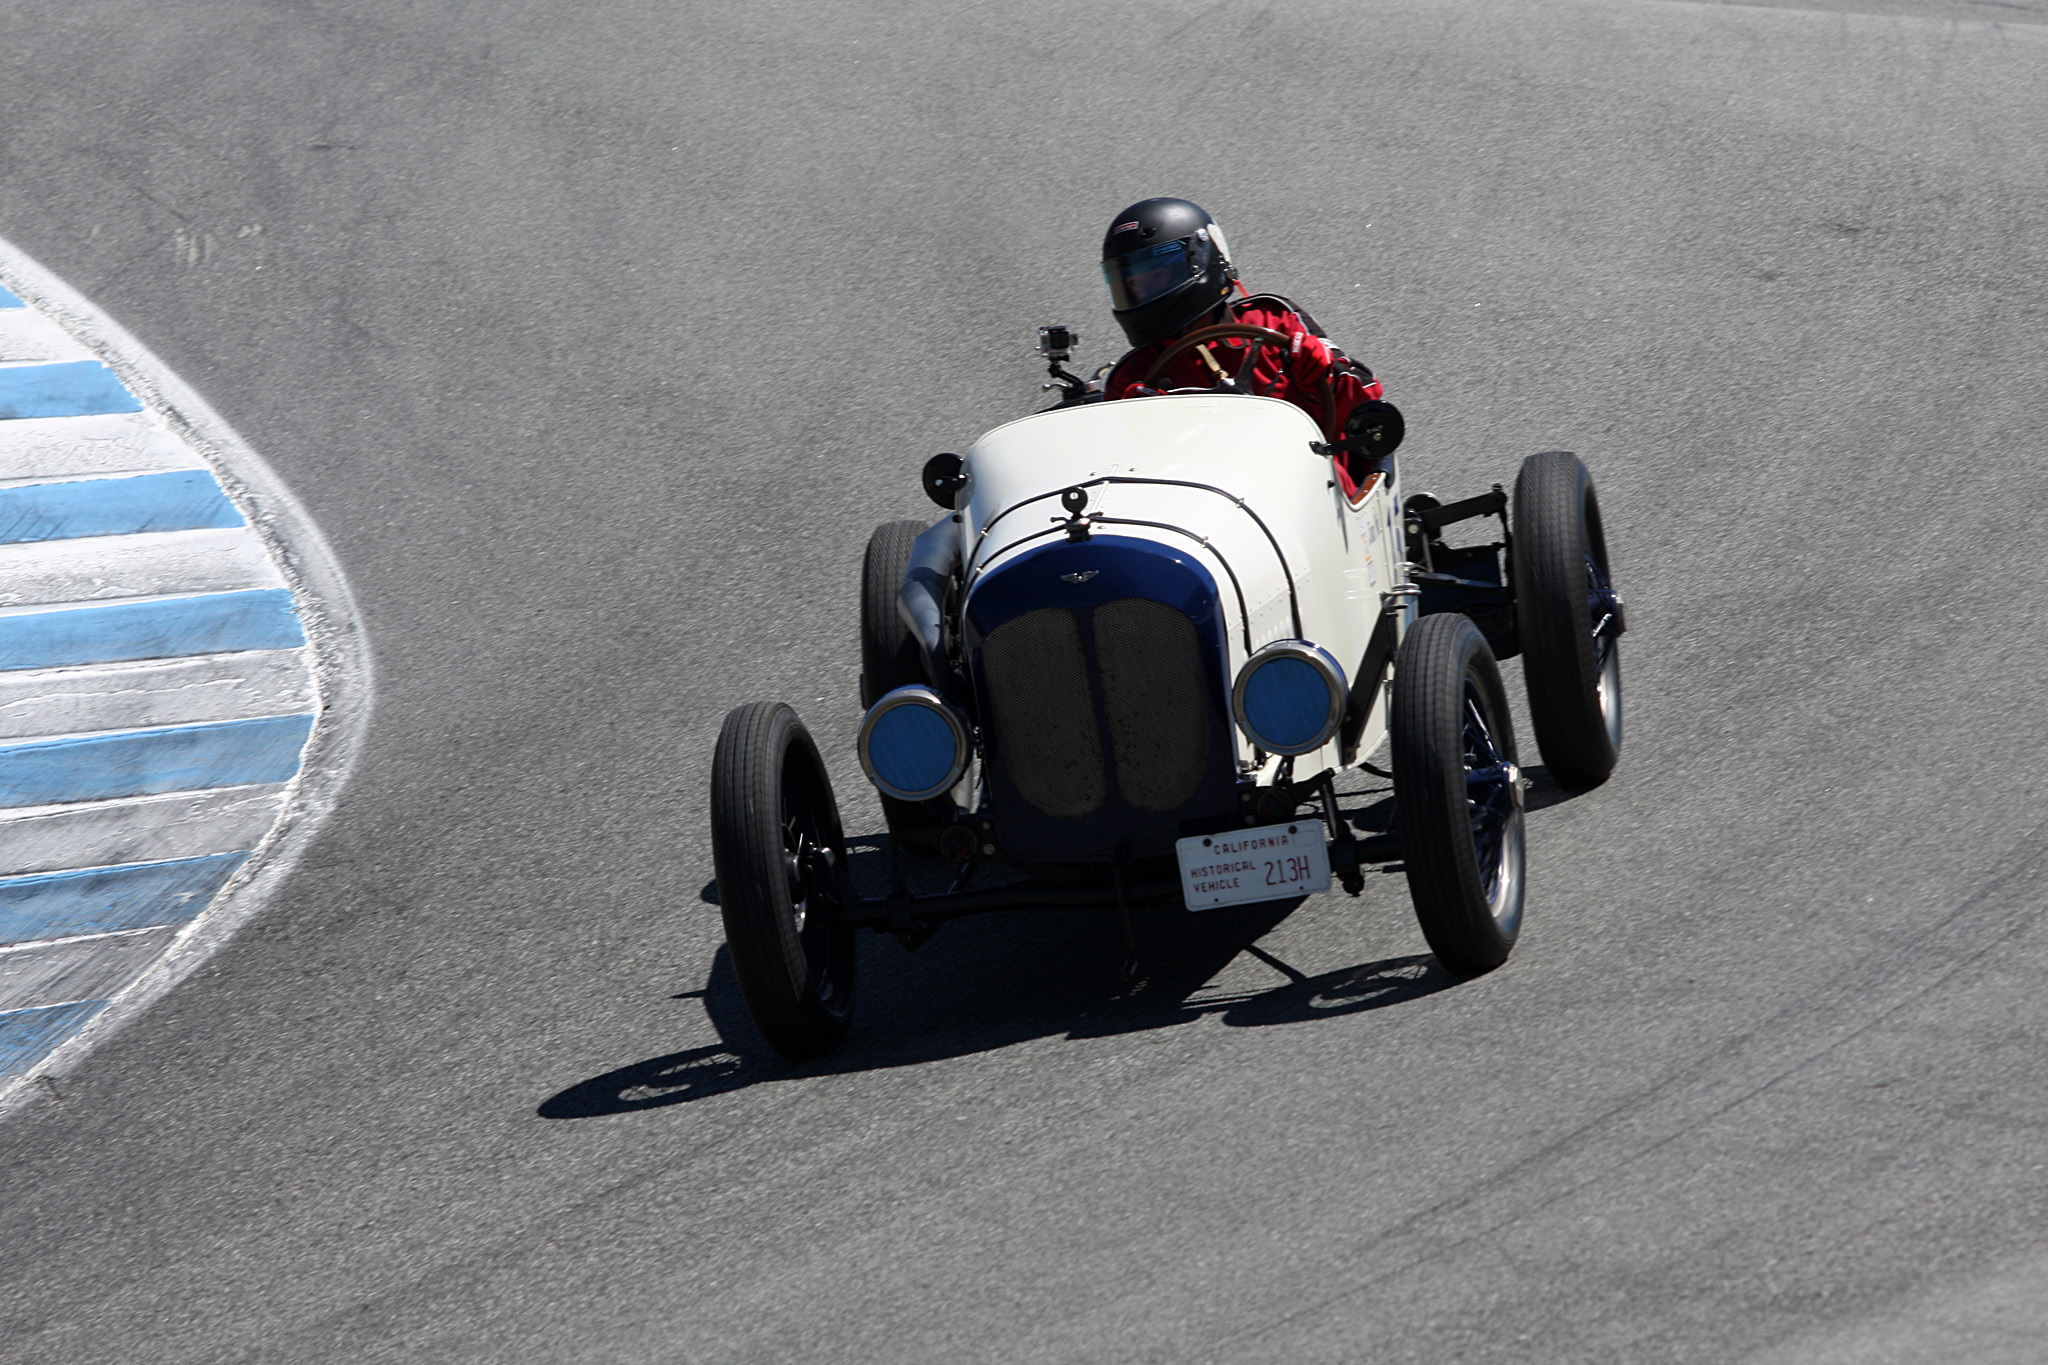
(1044, 714)
(1151, 667)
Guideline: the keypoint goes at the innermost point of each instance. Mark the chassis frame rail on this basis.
(902, 912)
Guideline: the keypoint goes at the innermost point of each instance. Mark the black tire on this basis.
(775, 838)
(1457, 794)
(1563, 593)
(888, 654)
(888, 660)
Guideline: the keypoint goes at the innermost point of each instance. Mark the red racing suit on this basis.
(1297, 375)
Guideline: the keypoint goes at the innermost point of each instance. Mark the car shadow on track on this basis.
(993, 981)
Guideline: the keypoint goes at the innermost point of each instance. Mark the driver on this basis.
(1169, 274)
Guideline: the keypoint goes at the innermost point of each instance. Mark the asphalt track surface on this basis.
(597, 339)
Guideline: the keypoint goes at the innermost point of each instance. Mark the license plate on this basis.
(1269, 863)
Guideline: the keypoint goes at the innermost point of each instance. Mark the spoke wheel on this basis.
(1568, 618)
(779, 852)
(1605, 612)
(1458, 794)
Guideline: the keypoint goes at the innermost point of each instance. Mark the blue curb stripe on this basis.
(160, 628)
(28, 1036)
(174, 758)
(74, 388)
(177, 500)
(101, 900)
(8, 299)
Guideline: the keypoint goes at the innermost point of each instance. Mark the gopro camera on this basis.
(1057, 343)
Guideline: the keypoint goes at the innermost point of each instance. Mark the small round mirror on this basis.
(944, 478)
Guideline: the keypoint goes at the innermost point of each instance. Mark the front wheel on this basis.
(1457, 794)
(778, 850)
(1568, 618)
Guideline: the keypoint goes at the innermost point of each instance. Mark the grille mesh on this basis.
(1045, 718)
(1151, 666)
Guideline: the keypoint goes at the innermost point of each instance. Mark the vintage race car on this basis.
(1141, 642)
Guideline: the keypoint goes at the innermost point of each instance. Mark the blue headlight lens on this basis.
(1286, 702)
(913, 748)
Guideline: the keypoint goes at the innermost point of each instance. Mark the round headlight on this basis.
(914, 744)
(1289, 697)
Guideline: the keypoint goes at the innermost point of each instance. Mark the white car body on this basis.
(1343, 558)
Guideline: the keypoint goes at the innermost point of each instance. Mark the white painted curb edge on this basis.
(339, 651)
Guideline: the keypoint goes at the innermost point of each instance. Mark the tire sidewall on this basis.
(888, 654)
(889, 658)
(766, 758)
(1440, 655)
(1556, 525)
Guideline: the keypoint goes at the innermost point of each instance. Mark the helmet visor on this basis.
(1138, 277)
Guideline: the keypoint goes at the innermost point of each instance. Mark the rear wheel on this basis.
(1457, 794)
(888, 654)
(1568, 618)
(888, 660)
(777, 846)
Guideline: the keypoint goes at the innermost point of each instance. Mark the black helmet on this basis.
(1166, 264)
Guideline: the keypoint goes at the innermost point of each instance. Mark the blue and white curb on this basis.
(182, 680)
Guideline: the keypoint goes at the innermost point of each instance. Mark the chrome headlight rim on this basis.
(1333, 678)
(928, 698)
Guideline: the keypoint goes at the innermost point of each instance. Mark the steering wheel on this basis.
(1265, 336)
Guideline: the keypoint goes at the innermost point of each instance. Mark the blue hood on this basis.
(1101, 676)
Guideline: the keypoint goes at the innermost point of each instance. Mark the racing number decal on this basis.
(1288, 871)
